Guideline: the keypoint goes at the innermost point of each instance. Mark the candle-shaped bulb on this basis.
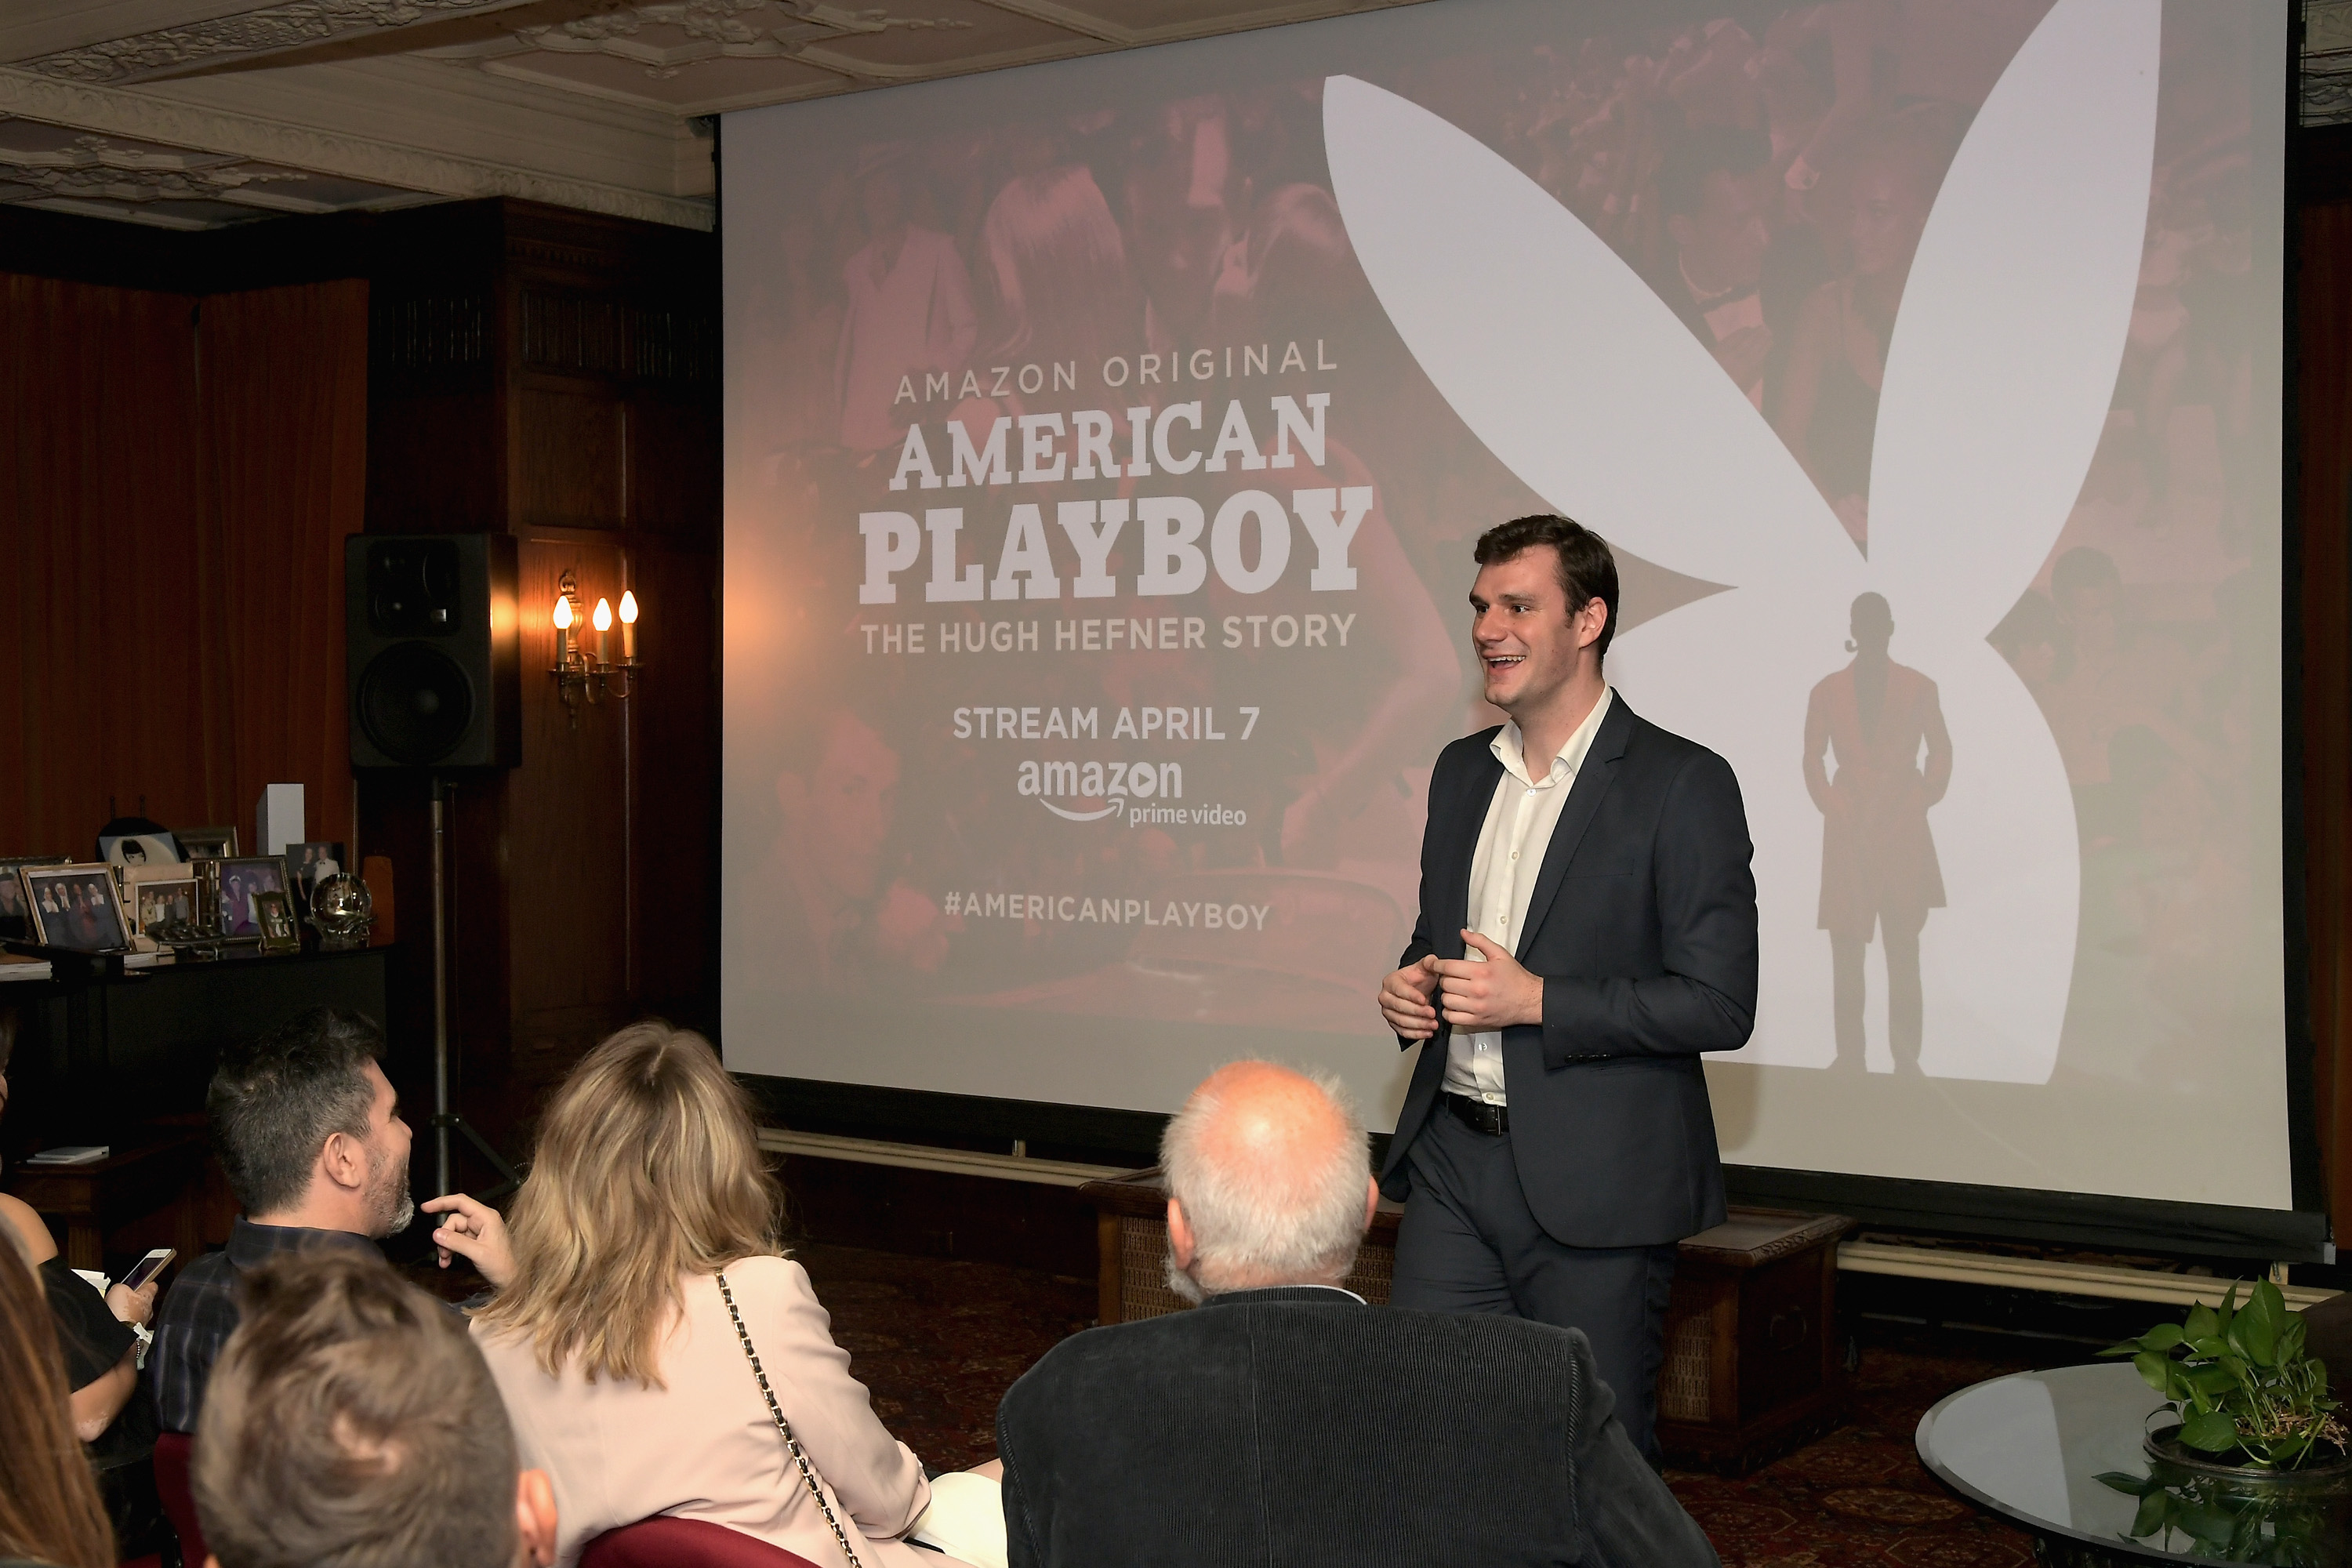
(602, 618)
(628, 608)
(562, 612)
(628, 625)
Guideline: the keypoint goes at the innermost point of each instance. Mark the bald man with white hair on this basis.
(1286, 1421)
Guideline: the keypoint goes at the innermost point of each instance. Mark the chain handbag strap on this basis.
(784, 1428)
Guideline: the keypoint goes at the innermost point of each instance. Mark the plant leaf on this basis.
(2150, 1516)
(2213, 1432)
(2202, 1322)
(2162, 1337)
(2211, 1381)
(2258, 1325)
(2210, 1346)
(2156, 1371)
(2210, 1525)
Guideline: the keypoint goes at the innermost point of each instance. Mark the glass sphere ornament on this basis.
(343, 911)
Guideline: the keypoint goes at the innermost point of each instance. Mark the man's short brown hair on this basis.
(351, 1423)
(1587, 570)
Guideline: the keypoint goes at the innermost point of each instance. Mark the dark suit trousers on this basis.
(1468, 1242)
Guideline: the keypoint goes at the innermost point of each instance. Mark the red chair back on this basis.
(174, 1454)
(663, 1542)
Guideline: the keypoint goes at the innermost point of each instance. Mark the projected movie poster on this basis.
(1107, 442)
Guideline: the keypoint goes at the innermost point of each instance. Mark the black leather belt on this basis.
(1478, 1116)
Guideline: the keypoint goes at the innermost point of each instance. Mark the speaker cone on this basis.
(414, 703)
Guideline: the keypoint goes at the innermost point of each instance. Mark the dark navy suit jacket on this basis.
(1298, 1426)
(1643, 925)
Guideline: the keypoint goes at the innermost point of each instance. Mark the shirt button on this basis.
(1515, 854)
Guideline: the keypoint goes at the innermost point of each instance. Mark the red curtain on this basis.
(176, 477)
(284, 383)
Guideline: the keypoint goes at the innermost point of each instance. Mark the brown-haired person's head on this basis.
(647, 1169)
(1546, 600)
(309, 1129)
(49, 1507)
(351, 1423)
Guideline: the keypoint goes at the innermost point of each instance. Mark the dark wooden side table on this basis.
(1753, 1365)
(159, 1177)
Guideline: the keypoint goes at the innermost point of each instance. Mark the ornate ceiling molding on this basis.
(715, 29)
(93, 168)
(268, 30)
(141, 115)
(143, 186)
(2327, 83)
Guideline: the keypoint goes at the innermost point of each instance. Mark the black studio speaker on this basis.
(433, 650)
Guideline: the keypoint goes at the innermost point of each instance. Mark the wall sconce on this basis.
(579, 676)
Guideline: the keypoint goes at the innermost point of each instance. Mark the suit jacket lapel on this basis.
(1592, 782)
(1463, 822)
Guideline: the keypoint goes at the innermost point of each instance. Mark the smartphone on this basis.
(149, 1267)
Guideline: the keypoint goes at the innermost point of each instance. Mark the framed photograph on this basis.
(75, 906)
(306, 860)
(15, 919)
(305, 864)
(274, 914)
(163, 906)
(207, 843)
(139, 850)
(241, 880)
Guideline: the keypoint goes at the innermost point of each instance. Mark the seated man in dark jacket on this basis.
(309, 1131)
(1285, 1421)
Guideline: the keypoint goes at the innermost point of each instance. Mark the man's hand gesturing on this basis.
(1408, 999)
(1492, 991)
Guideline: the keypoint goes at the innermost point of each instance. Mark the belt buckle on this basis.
(1494, 1121)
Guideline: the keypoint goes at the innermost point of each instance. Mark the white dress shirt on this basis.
(1503, 870)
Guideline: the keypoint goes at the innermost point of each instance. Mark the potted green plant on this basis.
(2248, 1397)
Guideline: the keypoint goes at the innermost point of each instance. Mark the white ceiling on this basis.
(192, 113)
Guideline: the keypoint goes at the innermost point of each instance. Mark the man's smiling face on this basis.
(1525, 638)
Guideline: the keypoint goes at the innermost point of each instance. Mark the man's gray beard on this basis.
(394, 1205)
(1187, 1288)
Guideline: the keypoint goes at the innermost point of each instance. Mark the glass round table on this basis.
(2059, 1454)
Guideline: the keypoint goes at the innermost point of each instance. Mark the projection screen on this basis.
(1106, 445)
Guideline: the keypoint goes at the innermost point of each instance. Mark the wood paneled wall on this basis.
(2320, 388)
(555, 377)
(182, 453)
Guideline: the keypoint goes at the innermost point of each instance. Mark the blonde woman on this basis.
(637, 1279)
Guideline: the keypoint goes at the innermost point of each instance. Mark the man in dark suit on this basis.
(1588, 927)
(1285, 1421)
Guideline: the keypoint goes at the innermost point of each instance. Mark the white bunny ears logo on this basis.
(1998, 377)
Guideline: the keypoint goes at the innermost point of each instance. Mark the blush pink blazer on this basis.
(704, 1447)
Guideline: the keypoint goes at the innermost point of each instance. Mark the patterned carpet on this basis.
(1859, 1497)
(940, 1341)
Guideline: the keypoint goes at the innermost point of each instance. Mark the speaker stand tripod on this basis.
(445, 1121)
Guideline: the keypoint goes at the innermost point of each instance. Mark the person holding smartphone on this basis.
(112, 1411)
